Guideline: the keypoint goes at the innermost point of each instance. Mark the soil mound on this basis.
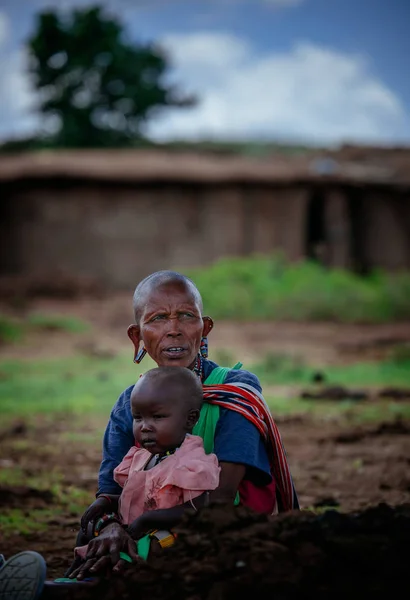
(225, 552)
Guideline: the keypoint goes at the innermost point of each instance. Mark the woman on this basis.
(170, 328)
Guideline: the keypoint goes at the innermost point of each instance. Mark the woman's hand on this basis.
(97, 509)
(104, 552)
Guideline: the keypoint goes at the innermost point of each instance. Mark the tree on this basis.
(96, 88)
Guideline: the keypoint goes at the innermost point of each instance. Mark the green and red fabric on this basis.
(280, 495)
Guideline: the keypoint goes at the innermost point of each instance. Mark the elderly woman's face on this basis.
(171, 325)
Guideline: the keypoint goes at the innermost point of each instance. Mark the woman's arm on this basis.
(230, 477)
(118, 439)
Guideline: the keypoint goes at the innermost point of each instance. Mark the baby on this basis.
(167, 467)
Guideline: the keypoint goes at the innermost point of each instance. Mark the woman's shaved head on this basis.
(157, 279)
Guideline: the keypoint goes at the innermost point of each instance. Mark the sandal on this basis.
(22, 576)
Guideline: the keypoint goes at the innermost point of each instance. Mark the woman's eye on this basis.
(158, 317)
(187, 315)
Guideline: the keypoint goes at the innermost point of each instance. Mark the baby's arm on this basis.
(164, 518)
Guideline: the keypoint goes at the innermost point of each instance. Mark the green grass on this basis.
(83, 385)
(12, 330)
(277, 369)
(80, 384)
(57, 323)
(68, 501)
(347, 411)
(21, 522)
(261, 287)
(15, 476)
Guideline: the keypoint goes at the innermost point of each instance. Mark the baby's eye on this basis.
(159, 416)
(137, 418)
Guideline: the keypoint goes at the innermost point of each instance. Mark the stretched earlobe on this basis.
(133, 333)
(140, 355)
(208, 325)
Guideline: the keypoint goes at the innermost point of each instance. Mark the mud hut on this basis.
(109, 214)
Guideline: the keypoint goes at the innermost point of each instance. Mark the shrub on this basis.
(261, 287)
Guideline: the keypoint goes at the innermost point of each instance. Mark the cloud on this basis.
(16, 98)
(207, 50)
(310, 93)
(17, 101)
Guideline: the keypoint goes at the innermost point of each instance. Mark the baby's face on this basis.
(161, 417)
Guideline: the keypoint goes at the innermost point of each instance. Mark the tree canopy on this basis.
(96, 87)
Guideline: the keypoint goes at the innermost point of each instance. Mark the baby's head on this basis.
(165, 405)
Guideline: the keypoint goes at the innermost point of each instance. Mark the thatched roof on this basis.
(157, 166)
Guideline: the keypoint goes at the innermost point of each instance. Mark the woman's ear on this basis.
(133, 332)
(208, 325)
(192, 418)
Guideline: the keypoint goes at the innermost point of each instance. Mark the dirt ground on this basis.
(109, 316)
(359, 550)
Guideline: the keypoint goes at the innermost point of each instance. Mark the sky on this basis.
(311, 71)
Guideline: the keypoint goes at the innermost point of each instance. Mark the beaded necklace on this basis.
(198, 366)
(160, 457)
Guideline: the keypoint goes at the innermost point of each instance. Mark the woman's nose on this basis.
(174, 328)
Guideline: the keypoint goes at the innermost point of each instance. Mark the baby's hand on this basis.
(97, 509)
(138, 527)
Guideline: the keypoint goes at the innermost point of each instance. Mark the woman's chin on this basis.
(180, 360)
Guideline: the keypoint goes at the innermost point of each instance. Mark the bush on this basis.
(10, 331)
(57, 323)
(271, 288)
